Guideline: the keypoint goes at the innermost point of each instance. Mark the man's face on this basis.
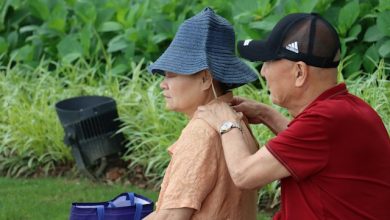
(280, 80)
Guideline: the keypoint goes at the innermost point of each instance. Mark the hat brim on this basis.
(180, 61)
(256, 50)
(229, 69)
(233, 72)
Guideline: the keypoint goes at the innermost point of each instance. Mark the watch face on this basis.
(227, 125)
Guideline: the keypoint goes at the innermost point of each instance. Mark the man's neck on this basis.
(308, 97)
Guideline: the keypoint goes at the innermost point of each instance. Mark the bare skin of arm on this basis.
(171, 214)
(248, 171)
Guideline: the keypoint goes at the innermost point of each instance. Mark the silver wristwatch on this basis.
(229, 125)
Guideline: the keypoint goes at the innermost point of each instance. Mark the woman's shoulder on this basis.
(197, 136)
(199, 127)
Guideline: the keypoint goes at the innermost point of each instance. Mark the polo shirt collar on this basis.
(334, 91)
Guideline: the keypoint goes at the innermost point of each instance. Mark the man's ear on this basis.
(301, 73)
(207, 79)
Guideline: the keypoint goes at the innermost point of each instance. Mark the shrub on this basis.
(31, 135)
(126, 30)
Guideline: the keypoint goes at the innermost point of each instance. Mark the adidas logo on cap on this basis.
(293, 47)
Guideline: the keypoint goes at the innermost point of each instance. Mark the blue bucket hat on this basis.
(205, 41)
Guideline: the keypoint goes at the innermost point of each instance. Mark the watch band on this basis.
(228, 126)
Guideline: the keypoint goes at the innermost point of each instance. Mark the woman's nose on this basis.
(163, 84)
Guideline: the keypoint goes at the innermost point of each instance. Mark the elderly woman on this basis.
(198, 67)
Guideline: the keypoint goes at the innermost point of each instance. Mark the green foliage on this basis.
(52, 49)
(141, 29)
(31, 137)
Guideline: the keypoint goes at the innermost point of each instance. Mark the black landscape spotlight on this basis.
(91, 129)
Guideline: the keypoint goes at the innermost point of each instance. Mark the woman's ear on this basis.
(207, 80)
(301, 73)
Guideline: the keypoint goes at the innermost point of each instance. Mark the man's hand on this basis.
(216, 113)
(250, 108)
(257, 113)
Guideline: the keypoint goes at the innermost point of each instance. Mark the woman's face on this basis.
(183, 93)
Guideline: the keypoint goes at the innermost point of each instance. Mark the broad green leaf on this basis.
(384, 49)
(353, 65)
(40, 8)
(244, 6)
(13, 38)
(24, 53)
(121, 17)
(383, 22)
(159, 38)
(70, 57)
(298, 6)
(3, 46)
(28, 28)
(119, 69)
(347, 16)
(371, 58)
(355, 31)
(71, 2)
(373, 34)
(308, 5)
(58, 16)
(129, 51)
(69, 48)
(85, 36)
(110, 26)
(86, 11)
(289, 6)
(104, 15)
(264, 8)
(132, 34)
(3, 10)
(266, 24)
(384, 5)
(116, 44)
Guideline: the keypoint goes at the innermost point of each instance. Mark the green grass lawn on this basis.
(51, 198)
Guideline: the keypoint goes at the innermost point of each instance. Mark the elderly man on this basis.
(333, 157)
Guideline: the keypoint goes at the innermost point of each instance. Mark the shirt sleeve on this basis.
(193, 168)
(303, 148)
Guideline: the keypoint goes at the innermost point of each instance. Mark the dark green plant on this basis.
(126, 31)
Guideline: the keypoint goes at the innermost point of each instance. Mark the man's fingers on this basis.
(236, 100)
(201, 108)
(237, 108)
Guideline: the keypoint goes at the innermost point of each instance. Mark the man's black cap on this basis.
(297, 37)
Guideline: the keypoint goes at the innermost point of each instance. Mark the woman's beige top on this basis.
(197, 176)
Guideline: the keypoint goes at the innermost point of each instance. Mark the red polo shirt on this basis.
(338, 153)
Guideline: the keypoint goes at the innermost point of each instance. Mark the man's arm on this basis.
(171, 214)
(248, 171)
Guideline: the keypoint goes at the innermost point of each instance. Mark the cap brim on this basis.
(255, 50)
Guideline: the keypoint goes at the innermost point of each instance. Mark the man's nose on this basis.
(263, 69)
